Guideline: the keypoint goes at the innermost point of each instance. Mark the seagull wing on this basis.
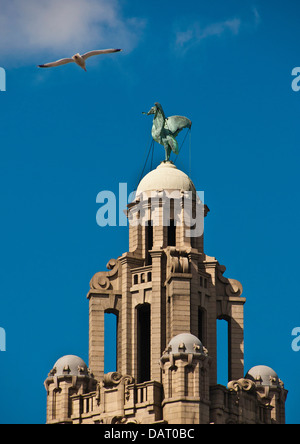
(58, 63)
(98, 52)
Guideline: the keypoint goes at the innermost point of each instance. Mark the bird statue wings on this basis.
(80, 60)
(165, 130)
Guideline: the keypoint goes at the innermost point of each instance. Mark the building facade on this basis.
(167, 295)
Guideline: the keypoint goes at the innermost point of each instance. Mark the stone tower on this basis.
(167, 295)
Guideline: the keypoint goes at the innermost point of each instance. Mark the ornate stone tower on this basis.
(69, 376)
(167, 295)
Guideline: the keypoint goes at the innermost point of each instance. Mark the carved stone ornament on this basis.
(233, 287)
(264, 395)
(113, 379)
(123, 420)
(101, 280)
(178, 261)
(205, 351)
(241, 385)
(53, 372)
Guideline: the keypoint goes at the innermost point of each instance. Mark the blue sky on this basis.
(67, 134)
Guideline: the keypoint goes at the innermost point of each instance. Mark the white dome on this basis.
(70, 365)
(165, 177)
(263, 375)
(185, 343)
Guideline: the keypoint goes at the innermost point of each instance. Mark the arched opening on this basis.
(202, 325)
(144, 342)
(223, 351)
(172, 234)
(110, 341)
(149, 242)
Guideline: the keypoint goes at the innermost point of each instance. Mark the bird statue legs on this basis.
(170, 144)
(168, 151)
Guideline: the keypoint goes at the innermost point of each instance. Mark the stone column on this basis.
(236, 341)
(96, 336)
(156, 315)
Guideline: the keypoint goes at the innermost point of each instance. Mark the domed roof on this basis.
(263, 375)
(185, 343)
(70, 365)
(165, 177)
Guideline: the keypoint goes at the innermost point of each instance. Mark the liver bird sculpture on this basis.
(166, 129)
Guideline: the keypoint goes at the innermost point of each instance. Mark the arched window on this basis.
(149, 242)
(223, 351)
(110, 341)
(143, 342)
(202, 325)
(172, 234)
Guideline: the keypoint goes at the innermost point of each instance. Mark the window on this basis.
(223, 352)
(149, 242)
(172, 234)
(203, 282)
(201, 320)
(110, 341)
(144, 342)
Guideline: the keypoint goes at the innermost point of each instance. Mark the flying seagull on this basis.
(79, 59)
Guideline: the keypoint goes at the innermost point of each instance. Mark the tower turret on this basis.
(270, 390)
(185, 366)
(69, 376)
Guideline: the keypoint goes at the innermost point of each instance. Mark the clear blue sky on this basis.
(67, 134)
